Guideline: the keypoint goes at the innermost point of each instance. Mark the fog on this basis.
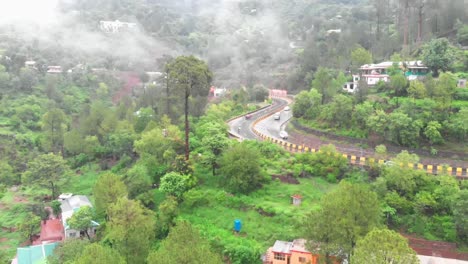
(242, 45)
(38, 12)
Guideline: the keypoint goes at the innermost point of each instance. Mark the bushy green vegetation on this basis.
(424, 117)
(155, 157)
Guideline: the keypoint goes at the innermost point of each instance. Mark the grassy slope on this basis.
(217, 218)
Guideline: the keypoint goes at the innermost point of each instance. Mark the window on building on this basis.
(302, 259)
(72, 234)
(279, 256)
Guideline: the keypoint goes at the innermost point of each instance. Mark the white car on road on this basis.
(283, 134)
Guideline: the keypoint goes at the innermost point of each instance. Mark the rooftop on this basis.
(299, 245)
(52, 230)
(387, 64)
(282, 247)
(35, 254)
(285, 247)
(73, 202)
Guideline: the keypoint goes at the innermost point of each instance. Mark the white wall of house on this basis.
(72, 233)
(374, 79)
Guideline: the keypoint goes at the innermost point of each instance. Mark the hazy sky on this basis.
(38, 11)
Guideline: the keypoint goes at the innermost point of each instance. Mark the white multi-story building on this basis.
(117, 26)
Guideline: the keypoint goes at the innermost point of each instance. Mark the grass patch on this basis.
(83, 183)
(267, 214)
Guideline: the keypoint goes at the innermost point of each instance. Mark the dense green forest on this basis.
(126, 120)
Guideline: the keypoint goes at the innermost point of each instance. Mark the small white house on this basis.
(336, 31)
(351, 87)
(117, 26)
(30, 64)
(71, 204)
(54, 69)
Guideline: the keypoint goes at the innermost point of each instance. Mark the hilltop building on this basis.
(54, 69)
(374, 73)
(30, 64)
(117, 26)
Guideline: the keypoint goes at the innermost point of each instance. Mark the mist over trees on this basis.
(117, 100)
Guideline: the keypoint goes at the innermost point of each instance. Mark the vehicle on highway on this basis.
(248, 116)
(287, 108)
(277, 116)
(283, 134)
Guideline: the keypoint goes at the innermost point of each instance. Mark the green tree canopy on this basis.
(360, 56)
(438, 55)
(130, 229)
(462, 35)
(432, 132)
(7, 176)
(417, 89)
(167, 211)
(160, 146)
(175, 184)
(398, 84)
(307, 104)
(137, 180)
(240, 168)
(81, 219)
(445, 88)
(383, 246)
(29, 227)
(325, 84)
(460, 214)
(457, 124)
(189, 77)
(96, 253)
(214, 141)
(56, 208)
(49, 171)
(54, 125)
(174, 249)
(67, 251)
(346, 214)
(107, 190)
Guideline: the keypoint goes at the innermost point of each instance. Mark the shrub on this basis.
(79, 160)
(194, 198)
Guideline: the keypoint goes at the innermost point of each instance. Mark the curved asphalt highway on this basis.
(268, 126)
(245, 125)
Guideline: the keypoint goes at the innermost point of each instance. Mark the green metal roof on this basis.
(35, 254)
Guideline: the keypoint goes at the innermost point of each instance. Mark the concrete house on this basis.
(71, 204)
(295, 252)
(117, 26)
(54, 69)
(373, 73)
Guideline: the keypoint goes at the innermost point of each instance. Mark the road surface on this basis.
(245, 125)
(266, 125)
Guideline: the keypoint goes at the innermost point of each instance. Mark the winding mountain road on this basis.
(262, 126)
